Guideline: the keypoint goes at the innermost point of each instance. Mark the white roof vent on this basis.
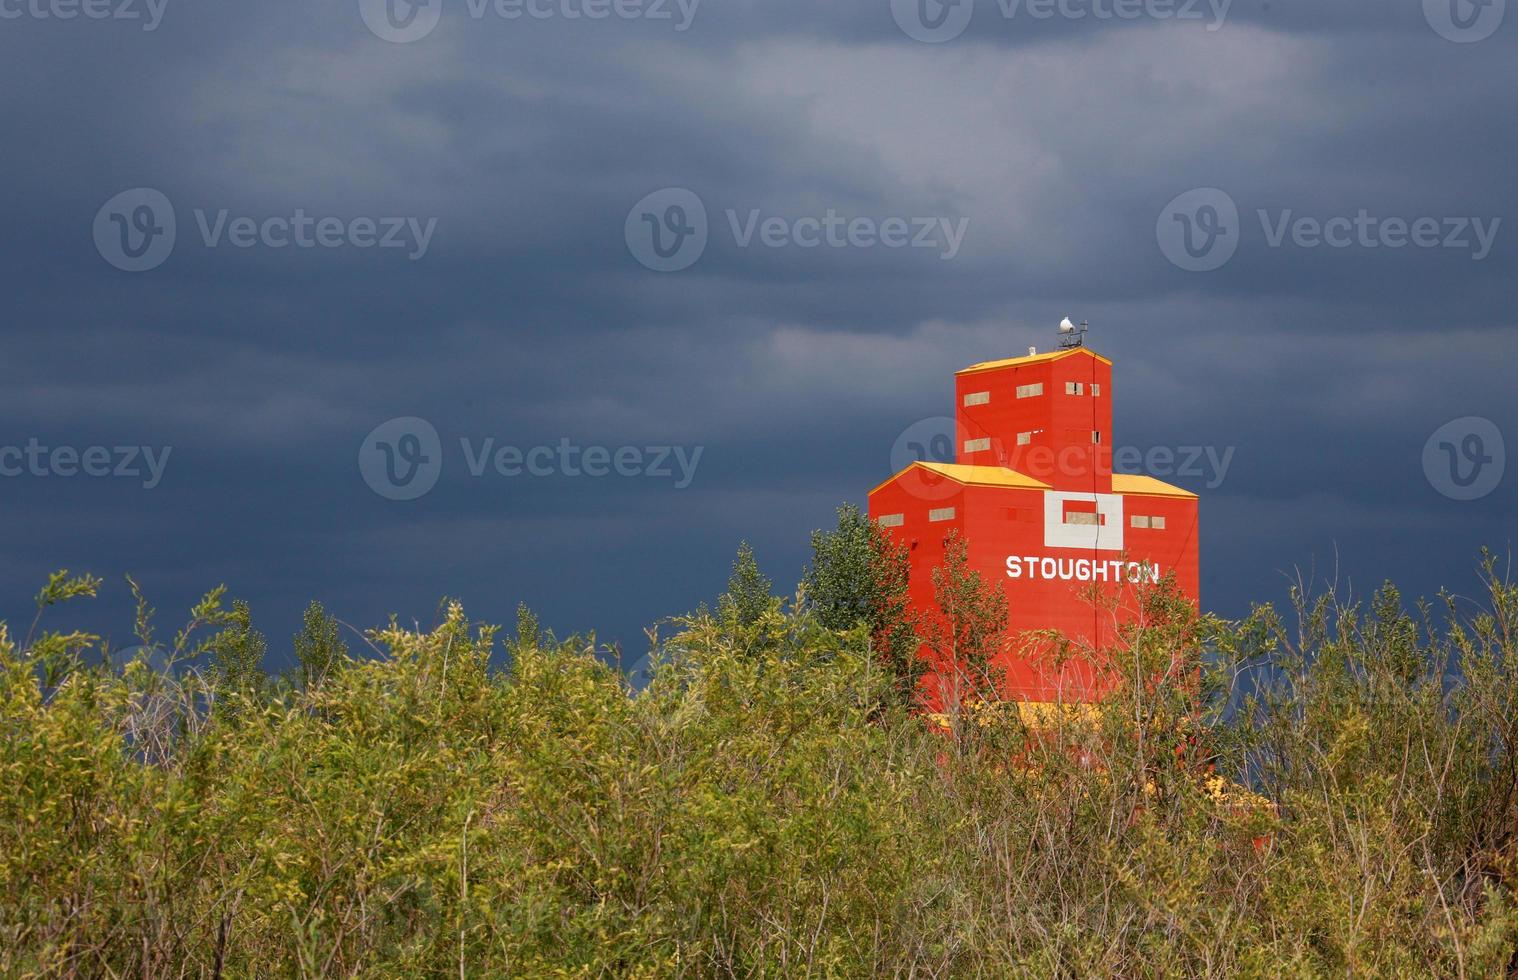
(1032, 351)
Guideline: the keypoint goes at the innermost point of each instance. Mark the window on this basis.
(941, 514)
(1030, 391)
(1096, 391)
(1024, 438)
(1096, 437)
(977, 445)
(978, 398)
(1153, 523)
(1084, 518)
(891, 520)
(1074, 388)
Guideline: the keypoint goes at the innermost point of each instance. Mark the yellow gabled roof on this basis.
(975, 476)
(1146, 485)
(1052, 355)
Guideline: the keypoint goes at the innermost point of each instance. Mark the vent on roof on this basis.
(1032, 351)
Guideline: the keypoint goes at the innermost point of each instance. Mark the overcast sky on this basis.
(674, 230)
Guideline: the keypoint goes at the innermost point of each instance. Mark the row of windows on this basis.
(1091, 519)
(897, 520)
(1026, 439)
(1079, 518)
(1032, 391)
(1073, 435)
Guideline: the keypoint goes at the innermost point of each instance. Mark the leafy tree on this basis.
(748, 590)
(529, 630)
(319, 647)
(967, 630)
(238, 652)
(859, 574)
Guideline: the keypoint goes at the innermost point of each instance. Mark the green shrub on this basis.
(767, 806)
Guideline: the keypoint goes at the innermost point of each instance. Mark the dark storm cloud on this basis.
(528, 321)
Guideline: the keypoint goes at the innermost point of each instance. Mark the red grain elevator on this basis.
(1033, 494)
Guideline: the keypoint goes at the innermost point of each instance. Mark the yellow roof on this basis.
(1147, 485)
(1052, 355)
(1001, 476)
(976, 476)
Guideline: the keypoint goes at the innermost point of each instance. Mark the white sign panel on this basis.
(1079, 529)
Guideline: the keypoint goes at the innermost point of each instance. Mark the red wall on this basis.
(1001, 523)
(1007, 522)
(1054, 456)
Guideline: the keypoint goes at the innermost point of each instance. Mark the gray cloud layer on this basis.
(1059, 141)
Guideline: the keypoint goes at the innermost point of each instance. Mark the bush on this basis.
(766, 806)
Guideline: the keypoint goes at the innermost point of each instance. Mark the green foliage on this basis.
(966, 630)
(767, 807)
(841, 578)
(319, 646)
(59, 654)
(748, 594)
(238, 652)
(859, 574)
